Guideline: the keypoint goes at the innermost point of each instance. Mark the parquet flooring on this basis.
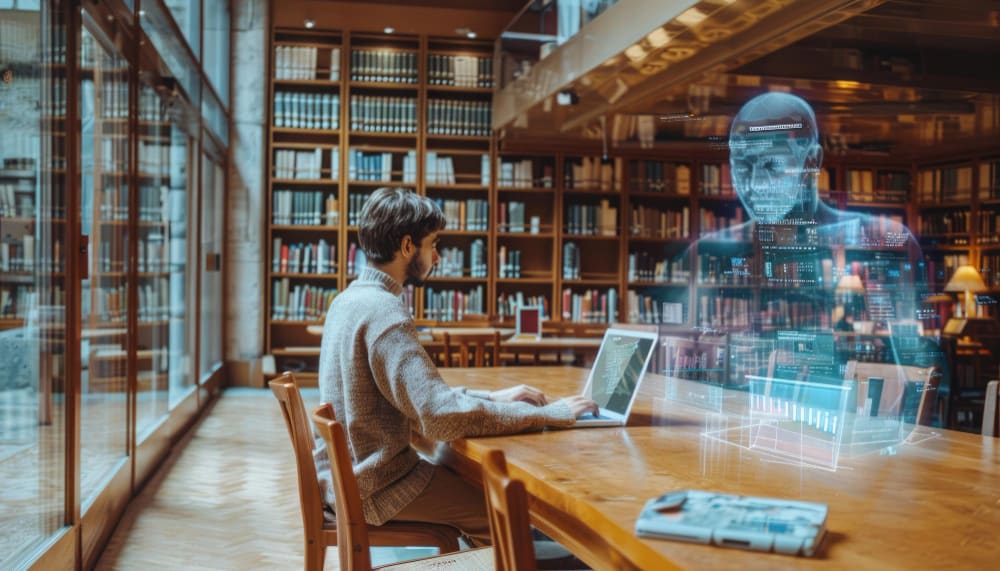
(226, 498)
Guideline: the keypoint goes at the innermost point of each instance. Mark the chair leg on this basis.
(315, 556)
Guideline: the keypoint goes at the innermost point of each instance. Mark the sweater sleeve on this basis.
(408, 379)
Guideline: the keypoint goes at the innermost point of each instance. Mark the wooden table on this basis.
(580, 346)
(930, 505)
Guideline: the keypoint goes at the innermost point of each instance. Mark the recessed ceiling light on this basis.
(471, 35)
(389, 29)
(310, 23)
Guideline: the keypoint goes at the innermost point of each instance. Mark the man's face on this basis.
(423, 261)
(768, 172)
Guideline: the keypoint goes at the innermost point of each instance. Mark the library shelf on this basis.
(300, 276)
(305, 228)
(304, 131)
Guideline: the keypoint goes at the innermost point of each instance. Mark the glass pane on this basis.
(211, 270)
(32, 310)
(216, 58)
(187, 14)
(180, 331)
(104, 216)
(153, 268)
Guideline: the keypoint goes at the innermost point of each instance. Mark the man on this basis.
(382, 384)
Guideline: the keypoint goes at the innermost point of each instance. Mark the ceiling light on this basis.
(389, 29)
(635, 52)
(691, 17)
(310, 23)
(471, 35)
(658, 38)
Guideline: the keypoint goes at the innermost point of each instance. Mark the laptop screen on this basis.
(620, 363)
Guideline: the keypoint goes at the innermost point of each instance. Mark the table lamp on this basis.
(851, 290)
(966, 279)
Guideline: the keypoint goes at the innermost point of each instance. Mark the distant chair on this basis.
(437, 350)
(319, 534)
(354, 535)
(471, 349)
(898, 381)
(991, 420)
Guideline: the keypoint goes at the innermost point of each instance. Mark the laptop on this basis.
(614, 379)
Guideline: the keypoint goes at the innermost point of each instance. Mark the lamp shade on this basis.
(850, 283)
(965, 278)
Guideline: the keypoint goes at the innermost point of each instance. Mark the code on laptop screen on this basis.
(618, 369)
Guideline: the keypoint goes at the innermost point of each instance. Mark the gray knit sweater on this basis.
(381, 384)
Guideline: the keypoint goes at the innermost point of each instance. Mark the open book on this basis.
(760, 524)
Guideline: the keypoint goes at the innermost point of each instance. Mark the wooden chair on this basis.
(320, 534)
(472, 348)
(991, 420)
(896, 379)
(507, 504)
(354, 535)
(437, 350)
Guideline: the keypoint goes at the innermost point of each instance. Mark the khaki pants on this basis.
(450, 500)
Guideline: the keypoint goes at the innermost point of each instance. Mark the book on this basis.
(727, 520)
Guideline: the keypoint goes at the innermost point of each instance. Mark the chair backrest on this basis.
(352, 530)
(507, 503)
(438, 350)
(297, 422)
(472, 348)
(991, 418)
(895, 382)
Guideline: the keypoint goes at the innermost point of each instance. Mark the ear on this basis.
(814, 159)
(407, 246)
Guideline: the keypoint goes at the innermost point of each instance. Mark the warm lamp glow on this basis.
(850, 283)
(967, 279)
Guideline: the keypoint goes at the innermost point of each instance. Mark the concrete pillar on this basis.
(245, 210)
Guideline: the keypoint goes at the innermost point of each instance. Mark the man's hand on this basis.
(523, 393)
(580, 405)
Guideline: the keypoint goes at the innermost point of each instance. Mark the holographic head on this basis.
(774, 156)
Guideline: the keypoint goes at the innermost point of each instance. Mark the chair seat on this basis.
(480, 559)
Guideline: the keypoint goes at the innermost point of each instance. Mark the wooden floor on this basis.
(226, 499)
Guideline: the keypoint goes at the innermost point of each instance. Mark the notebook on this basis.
(614, 379)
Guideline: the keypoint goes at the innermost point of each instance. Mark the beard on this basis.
(416, 273)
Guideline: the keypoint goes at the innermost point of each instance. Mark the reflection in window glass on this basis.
(181, 379)
(211, 270)
(153, 264)
(187, 14)
(32, 303)
(216, 58)
(104, 214)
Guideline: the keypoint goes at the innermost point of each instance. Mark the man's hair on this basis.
(392, 213)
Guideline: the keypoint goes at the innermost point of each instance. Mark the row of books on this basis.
(17, 199)
(642, 266)
(113, 95)
(111, 304)
(592, 219)
(644, 308)
(988, 226)
(15, 300)
(454, 117)
(591, 306)
(55, 104)
(154, 300)
(716, 180)
(648, 222)
(946, 222)
(301, 62)
(306, 164)
(383, 114)
(593, 173)
(154, 254)
(725, 269)
(722, 310)
(453, 305)
(17, 255)
(154, 158)
(947, 184)
(153, 203)
(150, 105)
(355, 203)
(512, 215)
(440, 169)
(723, 225)
(306, 110)
(452, 264)
(384, 66)
(471, 214)
(571, 261)
(783, 313)
(508, 304)
(793, 273)
(378, 166)
(660, 176)
(304, 207)
(941, 268)
(989, 180)
(509, 263)
(356, 259)
(523, 173)
(989, 268)
(303, 258)
(460, 70)
(111, 253)
(300, 302)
